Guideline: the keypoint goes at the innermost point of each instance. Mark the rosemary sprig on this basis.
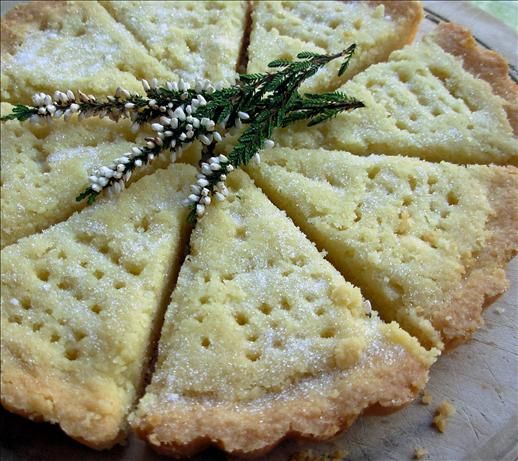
(180, 114)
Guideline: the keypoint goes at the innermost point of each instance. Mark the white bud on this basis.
(268, 144)
(157, 127)
(47, 100)
(96, 187)
(74, 107)
(219, 196)
(217, 137)
(203, 101)
(239, 124)
(174, 123)
(229, 168)
(257, 158)
(146, 86)
(202, 182)
(195, 122)
(205, 200)
(93, 179)
(136, 150)
(151, 157)
(194, 198)
(182, 137)
(243, 115)
(205, 192)
(200, 210)
(106, 172)
(195, 189)
(138, 162)
(150, 144)
(204, 139)
(68, 114)
(70, 95)
(154, 83)
(103, 182)
(165, 120)
(129, 105)
(205, 169)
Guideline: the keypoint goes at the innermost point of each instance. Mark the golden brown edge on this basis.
(251, 432)
(22, 18)
(482, 63)
(486, 279)
(32, 393)
(412, 10)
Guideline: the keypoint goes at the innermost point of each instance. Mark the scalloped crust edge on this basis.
(486, 279)
(482, 63)
(380, 385)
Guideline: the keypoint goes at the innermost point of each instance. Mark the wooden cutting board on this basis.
(480, 378)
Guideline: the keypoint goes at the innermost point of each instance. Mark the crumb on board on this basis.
(499, 310)
(442, 413)
(426, 398)
(309, 455)
(420, 453)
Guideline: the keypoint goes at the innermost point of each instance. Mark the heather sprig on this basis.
(180, 113)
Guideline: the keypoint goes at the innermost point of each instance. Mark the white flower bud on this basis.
(146, 86)
(103, 182)
(217, 137)
(157, 127)
(243, 115)
(200, 210)
(268, 144)
(202, 182)
(206, 200)
(219, 196)
(138, 162)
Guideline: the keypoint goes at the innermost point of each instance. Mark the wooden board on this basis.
(480, 378)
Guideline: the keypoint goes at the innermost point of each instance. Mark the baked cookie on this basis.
(80, 307)
(282, 29)
(424, 103)
(264, 340)
(57, 45)
(427, 243)
(196, 39)
(45, 167)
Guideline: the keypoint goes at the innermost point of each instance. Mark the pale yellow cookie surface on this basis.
(427, 243)
(263, 338)
(282, 29)
(80, 306)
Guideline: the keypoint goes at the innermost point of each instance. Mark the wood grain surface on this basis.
(480, 378)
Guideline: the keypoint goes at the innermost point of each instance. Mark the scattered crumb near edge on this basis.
(309, 455)
(426, 398)
(442, 413)
(420, 453)
(499, 310)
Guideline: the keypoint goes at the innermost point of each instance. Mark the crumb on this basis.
(442, 413)
(499, 310)
(426, 398)
(420, 453)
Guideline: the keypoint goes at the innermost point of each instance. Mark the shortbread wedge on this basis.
(427, 243)
(82, 302)
(196, 39)
(282, 29)
(45, 167)
(49, 45)
(264, 340)
(424, 103)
